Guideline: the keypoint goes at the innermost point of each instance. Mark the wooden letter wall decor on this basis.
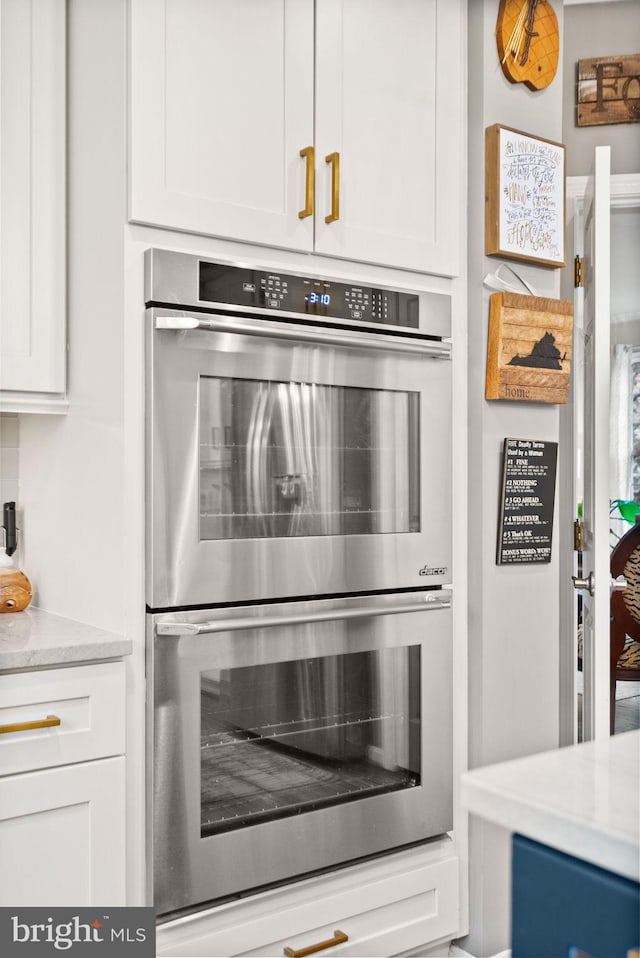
(529, 352)
(608, 90)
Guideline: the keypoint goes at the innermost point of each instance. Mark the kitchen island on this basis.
(576, 871)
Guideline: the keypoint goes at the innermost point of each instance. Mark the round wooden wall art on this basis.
(528, 42)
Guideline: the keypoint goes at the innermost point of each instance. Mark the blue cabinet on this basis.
(563, 907)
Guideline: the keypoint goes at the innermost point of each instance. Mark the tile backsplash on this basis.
(8, 457)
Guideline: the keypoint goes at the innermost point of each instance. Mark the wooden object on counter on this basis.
(528, 42)
(15, 589)
(529, 350)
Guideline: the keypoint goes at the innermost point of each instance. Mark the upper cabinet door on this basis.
(221, 106)
(32, 200)
(389, 101)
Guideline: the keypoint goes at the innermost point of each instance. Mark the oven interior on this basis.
(289, 737)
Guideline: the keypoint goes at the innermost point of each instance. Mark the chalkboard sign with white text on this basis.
(527, 496)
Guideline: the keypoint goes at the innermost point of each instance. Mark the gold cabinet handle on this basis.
(334, 159)
(49, 722)
(339, 938)
(310, 183)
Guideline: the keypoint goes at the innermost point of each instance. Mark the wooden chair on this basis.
(625, 616)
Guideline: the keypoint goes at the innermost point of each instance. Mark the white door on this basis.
(389, 104)
(221, 106)
(32, 198)
(596, 596)
(62, 836)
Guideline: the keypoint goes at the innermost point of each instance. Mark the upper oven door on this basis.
(290, 461)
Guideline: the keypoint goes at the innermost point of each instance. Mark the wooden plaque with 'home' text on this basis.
(529, 351)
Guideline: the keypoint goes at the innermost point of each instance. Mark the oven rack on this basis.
(286, 515)
(326, 723)
(269, 783)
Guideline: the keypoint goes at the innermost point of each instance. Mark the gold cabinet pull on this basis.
(310, 182)
(339, 938)
(334, 159)
(49, 722)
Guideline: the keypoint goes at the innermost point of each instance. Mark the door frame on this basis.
(625, 193)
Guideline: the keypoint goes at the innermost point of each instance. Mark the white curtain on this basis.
(620, 433)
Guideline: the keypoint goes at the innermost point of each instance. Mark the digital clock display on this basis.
(324, 299)
(307, 297)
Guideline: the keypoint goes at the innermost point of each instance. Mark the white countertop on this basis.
(583, 800)
(33, 638)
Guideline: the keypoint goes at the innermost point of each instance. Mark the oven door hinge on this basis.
(578, 272)
(578, 535)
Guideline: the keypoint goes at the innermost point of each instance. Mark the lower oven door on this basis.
(291, 738)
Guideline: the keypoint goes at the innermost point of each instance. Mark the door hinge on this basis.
(578, 535)
(578, 272)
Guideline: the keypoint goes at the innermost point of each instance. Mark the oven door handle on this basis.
(442, 601)
(307, 334)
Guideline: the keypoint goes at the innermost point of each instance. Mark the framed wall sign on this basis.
(608, 90)
(529, 348)
(524, 197)
(527, 494)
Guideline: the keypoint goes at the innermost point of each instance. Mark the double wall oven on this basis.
(298, 543)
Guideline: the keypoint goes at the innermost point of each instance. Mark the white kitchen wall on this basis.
(598, 30)
(513, 610)
(9, 444)
(74, 543)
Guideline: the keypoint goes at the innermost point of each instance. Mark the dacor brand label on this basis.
(103, 931)
(433, 570)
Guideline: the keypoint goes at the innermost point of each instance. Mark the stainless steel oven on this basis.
(292, 737)
(298, 542)
(293, 451)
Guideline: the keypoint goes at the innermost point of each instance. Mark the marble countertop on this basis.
(33, 638)
(583, 800)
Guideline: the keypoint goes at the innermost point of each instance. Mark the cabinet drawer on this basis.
(87, 703)
(399, 910)
(424, 908)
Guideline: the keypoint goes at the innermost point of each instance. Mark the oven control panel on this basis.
(326, 299)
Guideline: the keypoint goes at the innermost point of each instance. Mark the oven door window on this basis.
(300, 459)
(291, 737)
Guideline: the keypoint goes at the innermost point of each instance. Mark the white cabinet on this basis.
(221, 105)
(389, 78)
(62, 786)
(63, 832)
(32, 201)
(228, 95)
(385, 907)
